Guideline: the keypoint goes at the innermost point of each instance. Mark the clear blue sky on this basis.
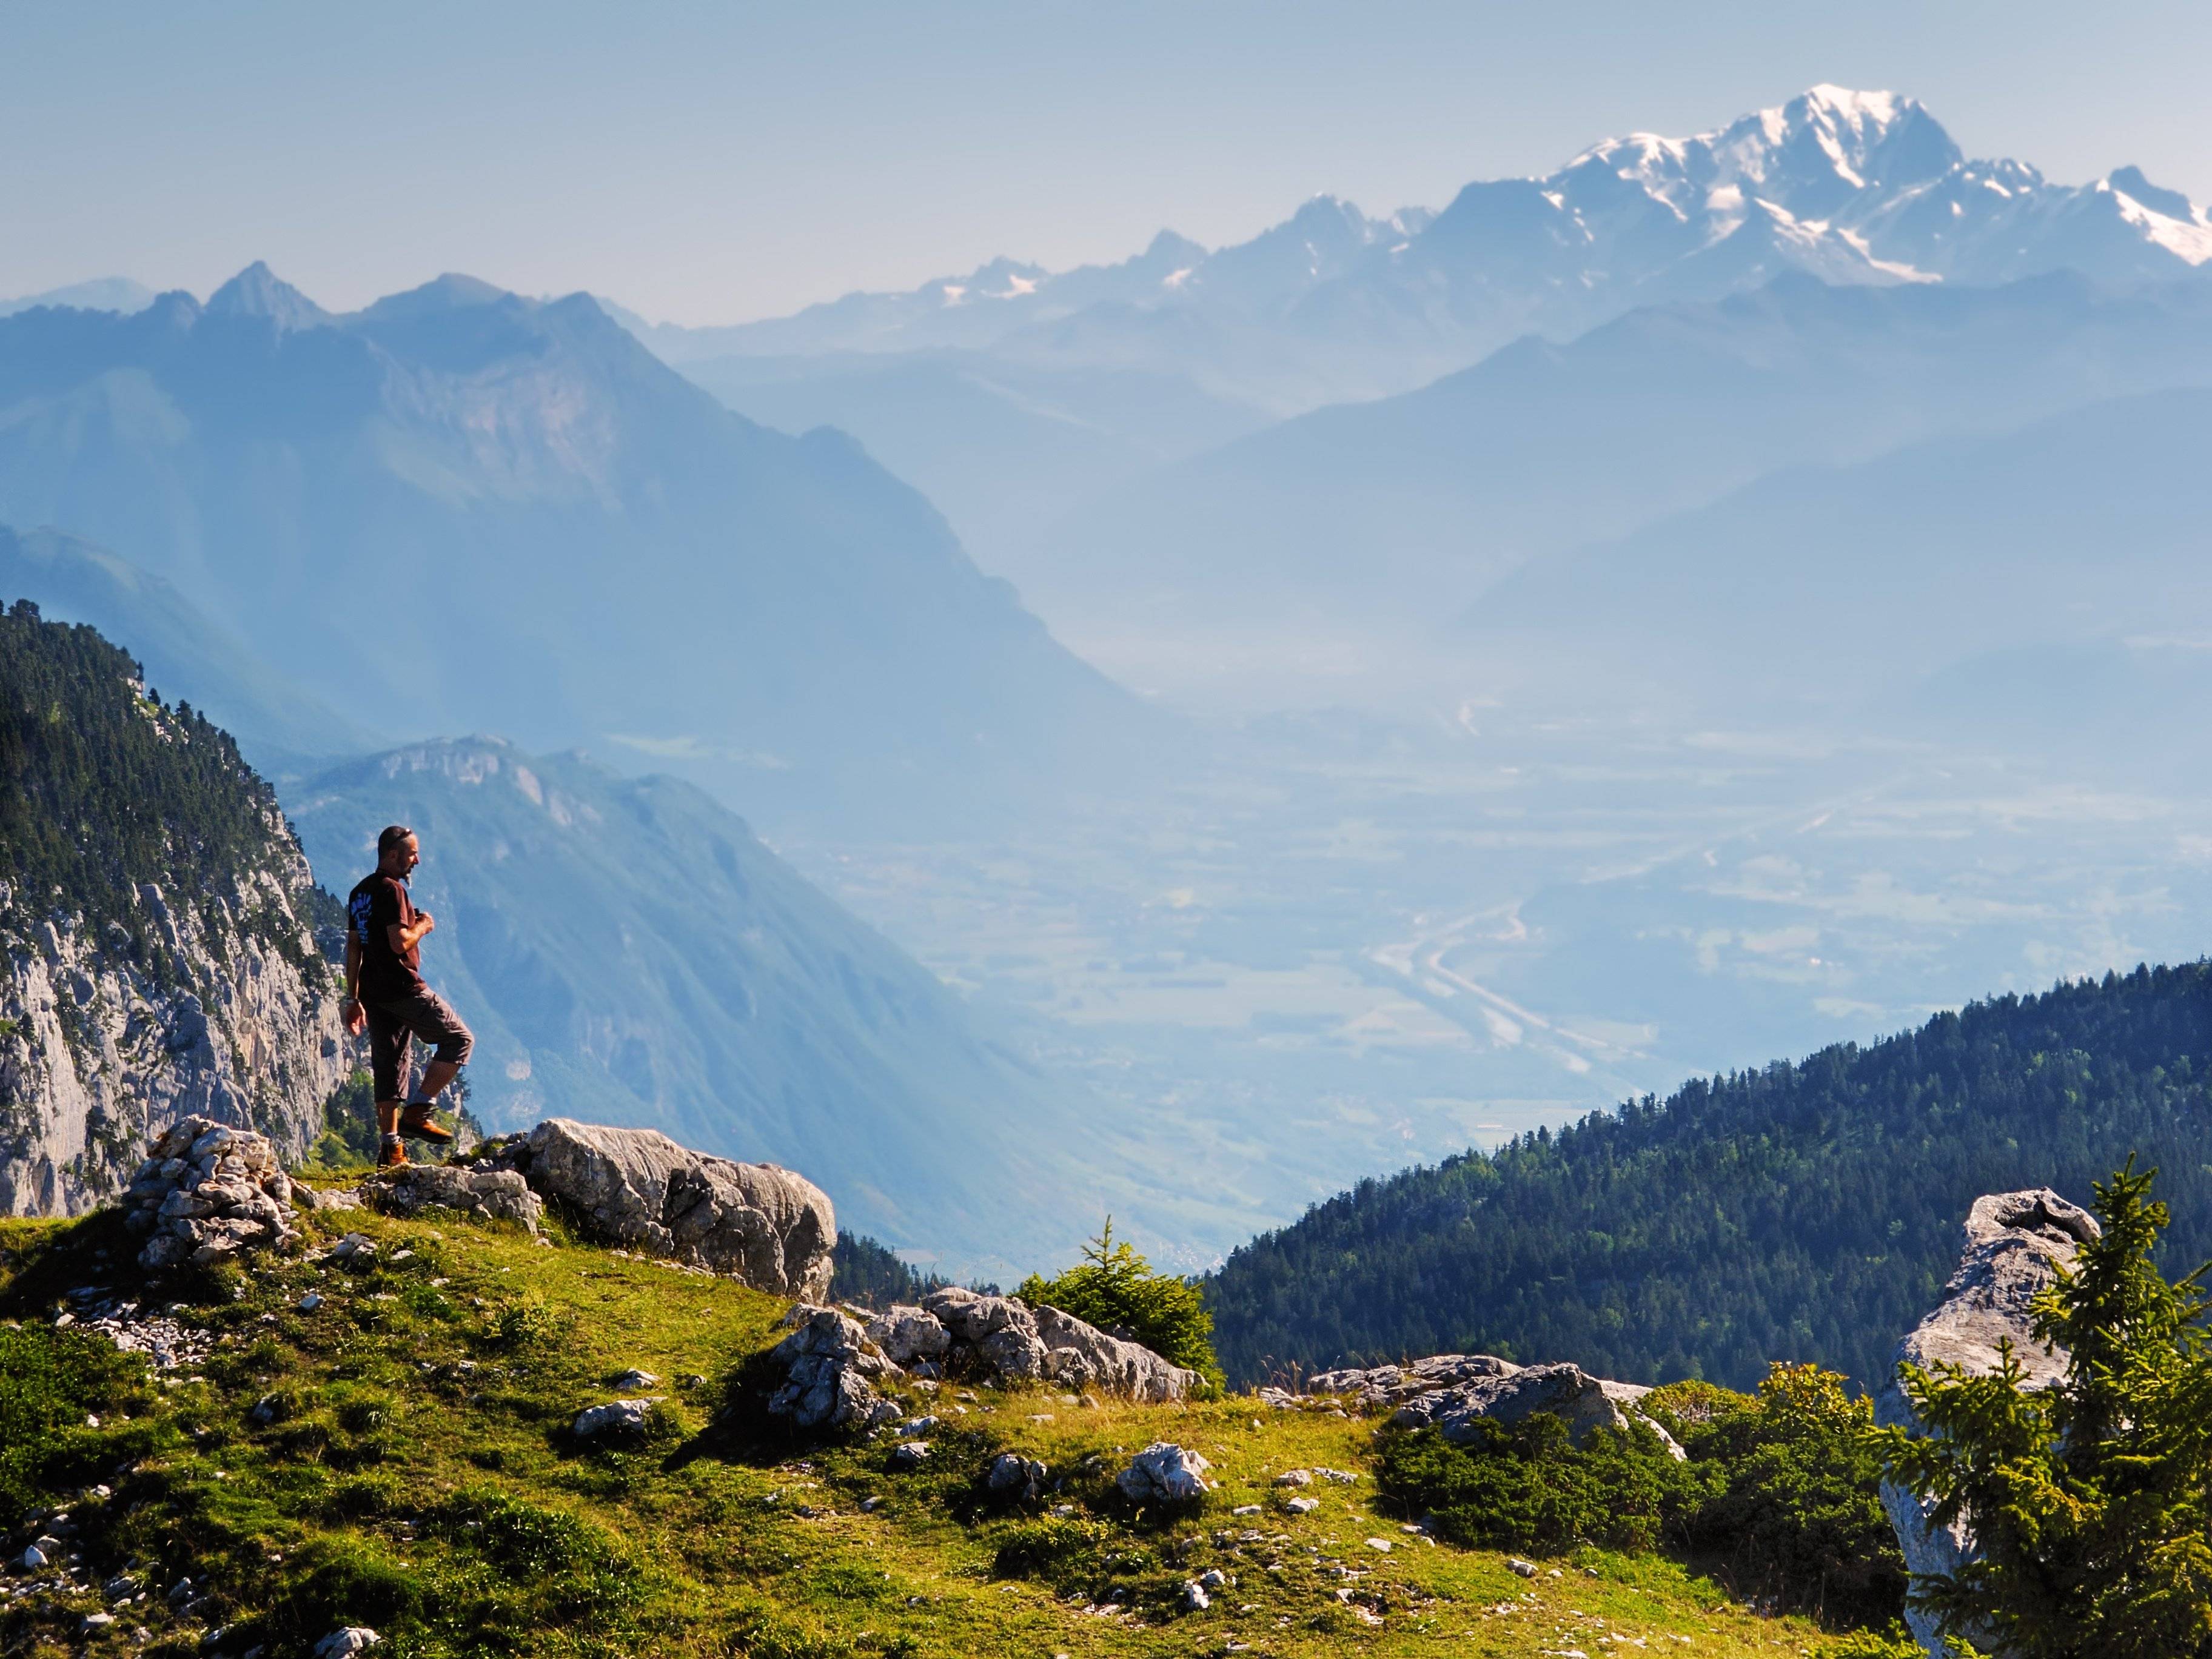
(712, 162)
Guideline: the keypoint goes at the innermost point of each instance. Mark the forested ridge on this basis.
(102, 787)
(1805, 1211)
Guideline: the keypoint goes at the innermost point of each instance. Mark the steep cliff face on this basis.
(157, 948)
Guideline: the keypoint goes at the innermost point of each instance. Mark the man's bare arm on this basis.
(404, 939)
(353, 967)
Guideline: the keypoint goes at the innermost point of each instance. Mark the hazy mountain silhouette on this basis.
(462, 510)
(1380, 514)
(1832, 587)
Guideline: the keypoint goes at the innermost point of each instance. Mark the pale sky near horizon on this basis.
(711, 163)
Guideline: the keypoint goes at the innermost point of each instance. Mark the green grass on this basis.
(412, 1469)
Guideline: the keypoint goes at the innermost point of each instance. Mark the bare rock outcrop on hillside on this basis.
(104, 1046)
(772, 1228)
(1452, 1392)
(2016, 1243)
(835, 1368)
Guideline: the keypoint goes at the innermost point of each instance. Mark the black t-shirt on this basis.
(375, 904)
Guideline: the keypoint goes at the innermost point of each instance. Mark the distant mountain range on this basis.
(1072, 424)
(1369, 521)
(102, 294)
(1847, 186)
(460, 509)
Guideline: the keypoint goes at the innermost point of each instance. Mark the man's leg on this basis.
(434, 1019)
(387, 1064)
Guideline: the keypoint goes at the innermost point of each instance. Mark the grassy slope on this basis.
(450, 1509)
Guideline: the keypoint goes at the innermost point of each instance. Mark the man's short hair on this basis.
(389, 836)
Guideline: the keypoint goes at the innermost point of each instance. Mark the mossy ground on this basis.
(412, 1469)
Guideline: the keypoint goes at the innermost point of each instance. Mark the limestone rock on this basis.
(828, 1362)
(1080, 1356)
(346, 1642)
(772, 1228)
(1379, 1385)
(1164, 1472)
(207, 1192)
(101, 1051)
(1450, 1391)
(909, 1335)
(1003, 1337)
(496, 1194)
(909, 1454)
(999, 1332)
(1566, 1392)
(2016, 1243)
(616, 1417)
(1014, 1476)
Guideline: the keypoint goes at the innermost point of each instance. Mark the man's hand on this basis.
(425, 923)
(355, 1015)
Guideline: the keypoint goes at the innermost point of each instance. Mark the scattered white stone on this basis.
(1525, 1569)
(625, 1416)
(310, 1302)
(1303, 1505)
(1295, 1478)
(32, 1559)
(345, 1644)
(354, 1246)
(1342, 1476)
(632, 1380)
(1246, 1508)
(909, 1454)
(1383, 1544)
(1195, 1598)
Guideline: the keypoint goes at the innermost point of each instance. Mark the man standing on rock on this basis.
(385, 992)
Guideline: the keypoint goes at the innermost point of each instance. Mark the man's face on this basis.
(403, 858)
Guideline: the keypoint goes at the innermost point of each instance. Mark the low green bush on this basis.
(1527, 1486)
(1778, 1497)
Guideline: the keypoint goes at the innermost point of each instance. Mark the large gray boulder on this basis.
(1081, 1356)
(772, 1228)
(2016, 1243)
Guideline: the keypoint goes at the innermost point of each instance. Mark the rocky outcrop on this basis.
(207, 1192)
(835, 1369)
(830, 1369)
(772, 1228)
(229, 1016)
(2016, 1243)
(1452, 1393)
(1003, 1338)
(488, 1195)
(1382, 1386)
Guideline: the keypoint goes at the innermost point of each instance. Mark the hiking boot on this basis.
(417, 1121)
(391, 1155)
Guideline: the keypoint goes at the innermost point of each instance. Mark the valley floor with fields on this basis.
(1362, 944)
